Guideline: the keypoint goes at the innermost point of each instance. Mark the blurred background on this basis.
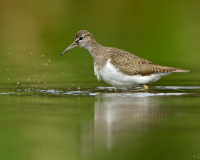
(40, 120)
(34, 33)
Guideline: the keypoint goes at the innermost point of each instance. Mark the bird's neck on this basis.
(94, 48)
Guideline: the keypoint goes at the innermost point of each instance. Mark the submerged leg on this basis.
(145, 87)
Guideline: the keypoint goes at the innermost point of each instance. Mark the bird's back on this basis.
(130, 64)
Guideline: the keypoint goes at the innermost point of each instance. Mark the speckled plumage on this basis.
(133, 65)
(119, 62)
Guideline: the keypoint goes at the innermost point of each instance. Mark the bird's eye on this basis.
(80, 38)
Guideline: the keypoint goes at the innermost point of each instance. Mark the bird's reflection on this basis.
(116, 115)
(119, 118)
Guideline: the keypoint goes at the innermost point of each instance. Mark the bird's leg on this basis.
(145, 87)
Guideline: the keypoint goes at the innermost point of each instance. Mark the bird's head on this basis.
(81, 39)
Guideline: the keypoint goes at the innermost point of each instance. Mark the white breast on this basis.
(111, 75)
(97, 72)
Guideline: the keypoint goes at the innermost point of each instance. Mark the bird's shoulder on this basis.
(122, 57)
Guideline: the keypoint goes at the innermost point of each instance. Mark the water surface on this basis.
(100, 123)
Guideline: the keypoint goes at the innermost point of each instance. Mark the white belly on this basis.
(111, 75)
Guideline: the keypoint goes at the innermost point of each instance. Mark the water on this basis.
(100, 123)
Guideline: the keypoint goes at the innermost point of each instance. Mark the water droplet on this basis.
(45, 82)
(13, 34)
(8, 53)
(44, 74)
(38, 81)
(17, 82)
(78, 88)
(7, 69)
(46, 64)
(24, 49)
(42, 55)
(63, 72)
(42, 63)
(28, 79)
(31, 53)
(8, 79)
(49, 60)
(72, 84)
(36, 75)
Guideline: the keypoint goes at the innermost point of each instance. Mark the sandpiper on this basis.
(119, 68)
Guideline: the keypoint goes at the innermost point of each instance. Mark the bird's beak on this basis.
(70, 47)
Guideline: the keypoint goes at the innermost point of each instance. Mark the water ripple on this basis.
(177, 87)
(108, 91)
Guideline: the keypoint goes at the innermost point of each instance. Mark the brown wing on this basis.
(134, 65)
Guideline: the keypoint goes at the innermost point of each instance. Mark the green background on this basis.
(34, 33)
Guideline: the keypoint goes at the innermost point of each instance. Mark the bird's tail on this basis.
(183, 71)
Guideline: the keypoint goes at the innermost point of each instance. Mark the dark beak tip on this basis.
(62, 53)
